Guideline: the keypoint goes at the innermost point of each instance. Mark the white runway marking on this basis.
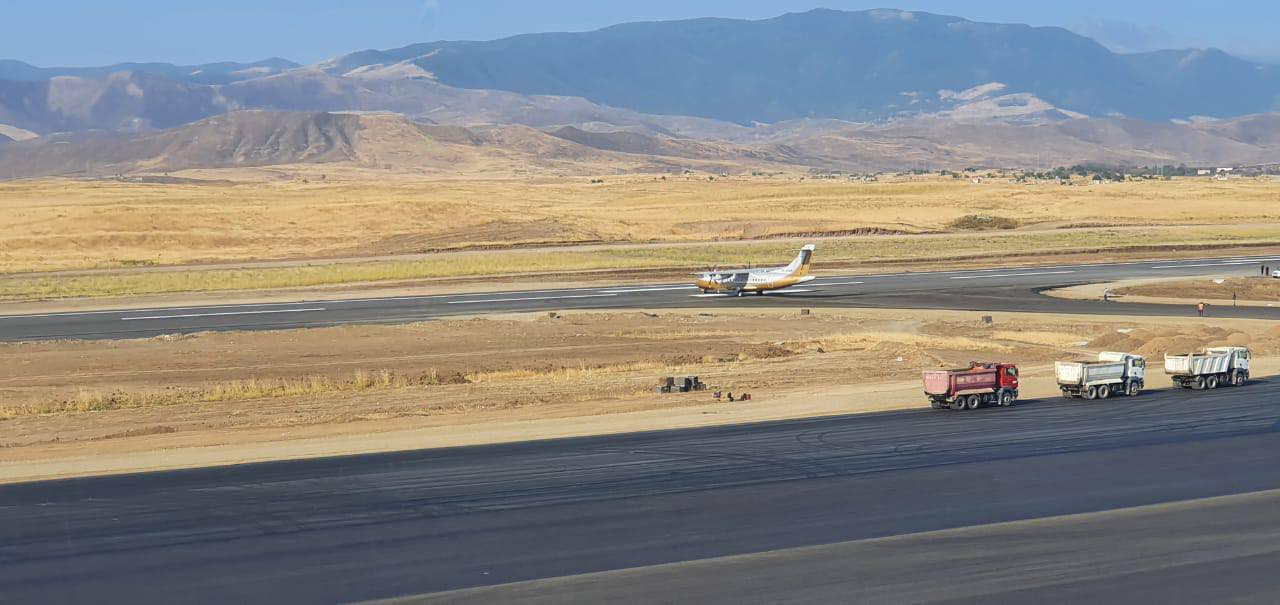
(838, 283)
(157, 309)
(494, 300)
(629, 291)
(222, 314)
(1013, 275)
(1230, 264)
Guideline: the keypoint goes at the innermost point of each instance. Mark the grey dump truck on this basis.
(1214, 367)
(1111, 374)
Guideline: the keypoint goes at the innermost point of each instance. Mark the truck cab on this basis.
(1008, 376)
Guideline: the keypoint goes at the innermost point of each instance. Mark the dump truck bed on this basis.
(1082, 373)
(1197, 364)
(952, 382)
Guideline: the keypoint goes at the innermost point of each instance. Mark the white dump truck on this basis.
(1112, 374)
(1217, 366)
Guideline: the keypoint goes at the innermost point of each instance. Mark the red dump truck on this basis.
(972, 387)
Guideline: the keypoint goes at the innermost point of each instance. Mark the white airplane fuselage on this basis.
(742, 281)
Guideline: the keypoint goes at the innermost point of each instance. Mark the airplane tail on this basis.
(800, 266)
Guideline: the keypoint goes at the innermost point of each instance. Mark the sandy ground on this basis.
(76, 408)
(1253, 290)
(1188, 292)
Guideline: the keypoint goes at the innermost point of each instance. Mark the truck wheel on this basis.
(1066, 394)
(1104, 391)
(1198, 384)
(1211, 382)
(1091, 393)
(975, 402)
(1133, 389)
(1006, 399)
(935, 404)
(958, 404)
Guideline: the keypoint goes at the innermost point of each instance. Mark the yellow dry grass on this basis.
(581, 372)
(674, 259)
(56, 224)
(90, 400)
(863, 341)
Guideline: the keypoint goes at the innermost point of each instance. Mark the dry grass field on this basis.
(530, 360)
(56, 225)
(74, 399)
(663, 261)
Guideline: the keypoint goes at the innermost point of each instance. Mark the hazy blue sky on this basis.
(95, 32)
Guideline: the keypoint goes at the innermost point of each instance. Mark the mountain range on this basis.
(209, 73)
(820, 89)
(861, 66)
(393, 142)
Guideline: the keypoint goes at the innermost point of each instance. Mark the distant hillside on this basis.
(133, 101)
(847, 65)
(392, 142)
(122, 101)
(642, 143)
(869, 90)
(932, 143)
(691, 78)
(243, 139)
(376, 141)
(209, 73)
(15, 133)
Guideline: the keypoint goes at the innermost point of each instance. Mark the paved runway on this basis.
(1012, 289)
(1030, 503)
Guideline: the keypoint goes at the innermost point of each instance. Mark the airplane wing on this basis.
(728, 271)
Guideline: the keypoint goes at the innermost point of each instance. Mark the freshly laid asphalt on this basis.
(1012, 289)
(862, 489)
(1168, 497)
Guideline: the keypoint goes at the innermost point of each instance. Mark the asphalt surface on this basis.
(727, 515)
(1013, 289)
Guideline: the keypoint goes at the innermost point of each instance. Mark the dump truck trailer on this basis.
(1218, 366)
(1111, 374)
(972, 387)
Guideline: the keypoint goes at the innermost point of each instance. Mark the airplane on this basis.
(739, 282)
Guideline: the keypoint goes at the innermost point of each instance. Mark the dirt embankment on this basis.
(1253, 290)
(1220, 291)
(85, 407)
